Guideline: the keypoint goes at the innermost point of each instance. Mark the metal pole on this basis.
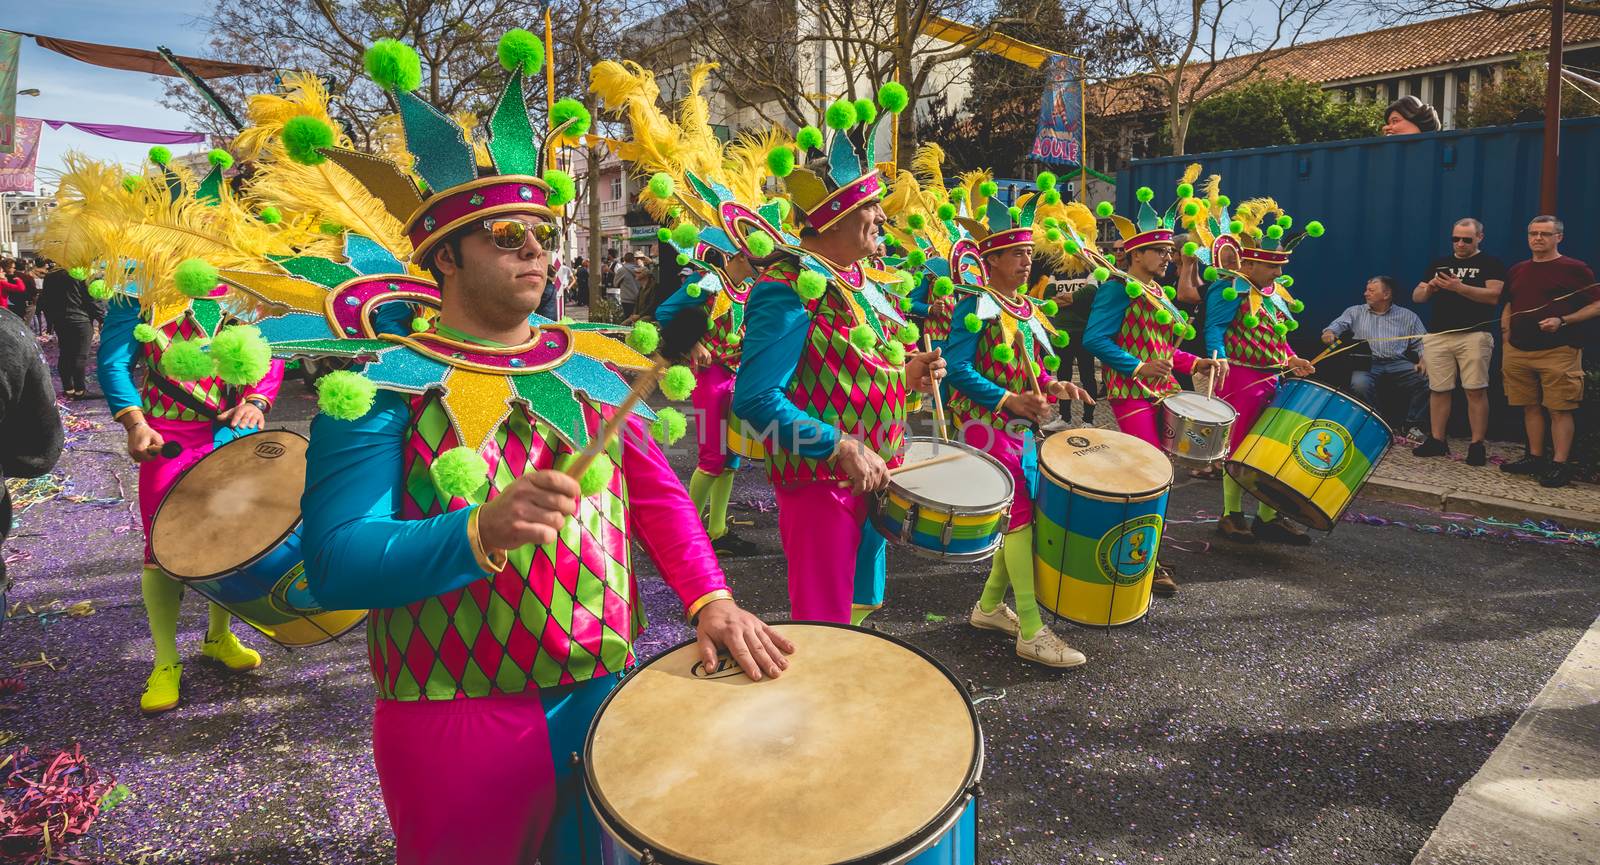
(1552, 113)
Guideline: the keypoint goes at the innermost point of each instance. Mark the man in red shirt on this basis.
(1546, 297)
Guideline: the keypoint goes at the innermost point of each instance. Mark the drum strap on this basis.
(178, 394)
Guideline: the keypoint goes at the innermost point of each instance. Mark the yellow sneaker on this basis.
(161, 689)
(231, 652)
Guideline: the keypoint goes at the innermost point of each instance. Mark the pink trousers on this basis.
(1010, 450)
(157, 476)
(835, 559)
(712, 396)
(1249, 391)
(1137, 417)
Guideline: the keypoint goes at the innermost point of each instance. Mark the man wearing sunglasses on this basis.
(1462, 290)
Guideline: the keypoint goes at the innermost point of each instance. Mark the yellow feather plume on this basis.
(1071, 214)
(1190, 174)
(389, 141)
(976, 200)
(302, 93)
(627, 87)
(86, 228)
(928, 164)
(1250, 213)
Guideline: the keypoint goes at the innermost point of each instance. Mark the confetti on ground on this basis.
(47, 806)
(934, 617)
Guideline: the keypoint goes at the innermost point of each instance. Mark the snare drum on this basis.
(742, 441)
(1310, 452)
(1195, 427)
(1097, 525)
(955, 511)
(866, 750)
(230, 529)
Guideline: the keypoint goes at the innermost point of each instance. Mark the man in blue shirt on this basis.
(1394, 334)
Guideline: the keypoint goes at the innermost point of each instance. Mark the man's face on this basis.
(1542, 237)
(1009, 268)
(1464, 240)
(859, 230)
(1398, 125)
(738, 268)
(1152, 259)
(502, 285)
(1377, 296)
(1261, 273)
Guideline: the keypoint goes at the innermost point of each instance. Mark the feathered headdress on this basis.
(849, 176)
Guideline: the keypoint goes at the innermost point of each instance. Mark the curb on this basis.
(1447, 500)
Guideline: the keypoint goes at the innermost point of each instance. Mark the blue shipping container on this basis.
(1388, 203)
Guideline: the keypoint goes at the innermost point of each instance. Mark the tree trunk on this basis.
(905, 126)
(592, 154)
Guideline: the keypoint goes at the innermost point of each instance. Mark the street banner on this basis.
(1060, 138)
(16, 168)
(10, 53)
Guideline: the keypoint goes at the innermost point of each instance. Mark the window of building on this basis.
(1436, 90)
(1391, 91)
(616, 188)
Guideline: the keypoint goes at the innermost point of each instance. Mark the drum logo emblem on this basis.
(269, 450)
(1127, 553)
(1077, 441)
(1322, 448)
(292, 595)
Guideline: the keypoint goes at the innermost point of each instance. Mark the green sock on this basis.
(859, 613)
(1266, 512)
(1232, 495)
(717, 518)
(1018, 552)
(218, 622)
(700, 490)
(994, 588)
(162, 596)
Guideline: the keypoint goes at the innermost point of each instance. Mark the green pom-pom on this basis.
(1188, 331)
(393, 65)
(99, 290)
(678, 383)
(160, 155)
(1163, 317)
(1170, 291)
(1144, 193)
(220, 158)
(1191, 209)
(1046, 181)
(1052, 196)
(841, 115)
(661, 185)
(1104, 209)
(905, 304)
(1284, 222)
(664, 234)
(1052, 235)
(668, 427)
(988, 189)
(1211, 273)
(520, 51)
(1297, 306)
(459, 472)
(598, 475)
(908, 334)
(271, 215)
(904, 282)
(1101, 274)
(131, 183)
(1314, 228)
(958, 194)
(946, 212)
(195, 277)
(1292, 324)
(419, 324)
(894, 353)
(1071, 246)
(1185, 190)
(917, 221)
(1060, 339)
(144, 333)
(1002, 354)
(562, 189)
(1050, 307)
(693, 289)
(972, 322)
(241, 354)
(644, 338)
(1190, 248)
(783, 207)
(331, 228)
(686, 235)
(1132, 290)
(1280, 328)
(186, 360)
(808, 138)
(866, 112)
(79, 273)
(1183, 315)
(1286, 281)
(761, 244)
(570, 109)
(1274, 232)
(344, 395)
(810, 285)
(1051, 362)
(916, 258)
(893, 97)
(780, 160)
(944, 286)
(1230, 294)
(1250, 321)
(1223, 201)
(862, 337)
(1235, 226)
(303, 138)
(682, 258)
(1015, 213)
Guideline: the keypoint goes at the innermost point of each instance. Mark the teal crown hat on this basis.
(850, 178)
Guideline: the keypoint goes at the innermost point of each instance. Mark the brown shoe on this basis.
(1163, 584)
(1280, 531)
(1235, 528)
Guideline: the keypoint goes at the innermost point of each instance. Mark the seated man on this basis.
(1394, 334)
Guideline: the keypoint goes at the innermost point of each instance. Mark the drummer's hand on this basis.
(700, 356)
(924, 370)
(1067, 390)
(530, 510)
(144, 443)
(245, 415)
(1203, 365)
(1028, 405)
(758, 649)
(1301, 367)
(1154, 369)
(865, 469)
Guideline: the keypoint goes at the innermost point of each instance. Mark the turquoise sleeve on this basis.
(1219, 316)
(960, 350)
(1105, 320)
(775, 328)
(119, 351)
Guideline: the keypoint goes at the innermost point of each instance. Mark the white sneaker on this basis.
(1050, 650)
(1001, 619)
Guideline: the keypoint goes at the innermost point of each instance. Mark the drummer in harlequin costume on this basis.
(1134, 328)
(503, 595)
(1000, 359)
(1249, 314)
(828, 362)
(206, 378)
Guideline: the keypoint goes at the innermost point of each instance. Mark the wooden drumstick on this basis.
(930, 461)
(938, 399)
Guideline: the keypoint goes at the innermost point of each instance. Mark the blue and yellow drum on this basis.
(1310, 452)
(1097, 524)
(742, 440)
(230, 529)
(954, 507)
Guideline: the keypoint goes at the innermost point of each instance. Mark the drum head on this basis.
(1201, 408)
(233, 505)
(1107, 462)
(971, 482)
(857, 749)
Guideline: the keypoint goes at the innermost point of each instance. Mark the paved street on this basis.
(1316, 705)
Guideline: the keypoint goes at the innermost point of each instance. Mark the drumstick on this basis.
(1027, 361)
(930, 461)
(1216, 370)
(938, 400)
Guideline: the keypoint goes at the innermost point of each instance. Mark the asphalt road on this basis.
(1314, 705)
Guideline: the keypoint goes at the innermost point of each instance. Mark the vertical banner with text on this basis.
(10, 53)
(17, 167)
(1060, 137)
